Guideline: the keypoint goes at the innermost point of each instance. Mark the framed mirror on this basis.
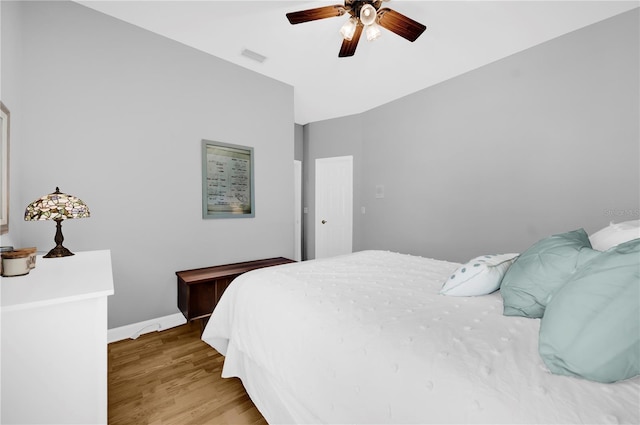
(4, 169)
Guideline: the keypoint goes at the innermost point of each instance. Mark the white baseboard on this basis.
(134, 330)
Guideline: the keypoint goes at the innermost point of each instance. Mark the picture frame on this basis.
(4, 168)
(227, 180)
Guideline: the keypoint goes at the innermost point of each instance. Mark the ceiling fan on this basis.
(365, 15)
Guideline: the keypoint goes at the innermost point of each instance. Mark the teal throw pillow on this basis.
(542, 270)
(591, 327)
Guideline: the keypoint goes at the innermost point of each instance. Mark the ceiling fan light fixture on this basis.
(373, 32)
(363, 16)
(368, 14)
(349, 28)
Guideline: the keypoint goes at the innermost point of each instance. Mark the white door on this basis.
(297, 210)
(334, 206)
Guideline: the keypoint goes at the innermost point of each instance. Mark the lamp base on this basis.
(58, 251)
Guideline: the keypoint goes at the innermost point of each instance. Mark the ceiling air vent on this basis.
(253, 55)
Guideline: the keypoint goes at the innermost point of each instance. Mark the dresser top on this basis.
(57, 280)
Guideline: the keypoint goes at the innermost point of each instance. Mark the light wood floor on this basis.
(172, 377)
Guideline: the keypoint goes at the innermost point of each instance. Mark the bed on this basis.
(368, 338)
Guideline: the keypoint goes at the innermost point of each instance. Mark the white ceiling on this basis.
(460, 36)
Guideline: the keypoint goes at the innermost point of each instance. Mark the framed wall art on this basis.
(4, 169)
(227, 180)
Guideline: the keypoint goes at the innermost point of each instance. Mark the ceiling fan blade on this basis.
(348, 47)
(398, 23)
(315, 14)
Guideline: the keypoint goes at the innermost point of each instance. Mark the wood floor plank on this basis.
(172, 377)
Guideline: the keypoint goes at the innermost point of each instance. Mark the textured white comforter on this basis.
(366, 338)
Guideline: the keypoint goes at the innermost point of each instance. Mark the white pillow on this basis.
(480, 276)
(615, 234)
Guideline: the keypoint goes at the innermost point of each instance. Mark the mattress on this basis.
(367, 338)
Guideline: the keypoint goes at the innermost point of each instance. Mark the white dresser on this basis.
(54, 341)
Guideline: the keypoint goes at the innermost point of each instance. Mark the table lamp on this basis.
(56, 206)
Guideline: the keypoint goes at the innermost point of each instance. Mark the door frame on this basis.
(297, 210)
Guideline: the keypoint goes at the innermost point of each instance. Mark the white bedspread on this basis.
(366, 338)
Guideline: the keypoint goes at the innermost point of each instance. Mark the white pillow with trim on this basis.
(480, 276)
(615, 234)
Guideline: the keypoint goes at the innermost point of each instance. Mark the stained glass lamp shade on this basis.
(56, 206)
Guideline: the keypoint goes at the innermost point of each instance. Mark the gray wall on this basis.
(11, 96)
(324, 139)
(298, 150)
(541, 142)
(114, 115)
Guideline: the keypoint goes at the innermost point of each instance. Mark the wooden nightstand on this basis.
(199, 290)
